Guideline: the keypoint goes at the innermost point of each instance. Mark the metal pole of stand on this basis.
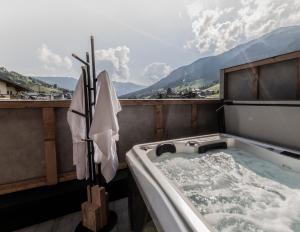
(80, 60)
(87, 122)
(100, 178)
(93, 67)
(89, 91)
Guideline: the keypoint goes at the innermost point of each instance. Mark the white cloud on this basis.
(217, 28)
(53, 61)
(119, 57)
(156, 71)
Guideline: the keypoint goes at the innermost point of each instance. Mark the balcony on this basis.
(36, 145)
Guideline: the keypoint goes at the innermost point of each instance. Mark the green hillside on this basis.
(216, 89)
(31, 83)
(190, 85)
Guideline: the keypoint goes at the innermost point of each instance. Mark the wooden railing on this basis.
(21, 104)
(48, 109)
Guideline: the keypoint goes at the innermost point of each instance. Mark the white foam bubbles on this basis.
(236, 191)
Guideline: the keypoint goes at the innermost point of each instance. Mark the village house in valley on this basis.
(10, 89)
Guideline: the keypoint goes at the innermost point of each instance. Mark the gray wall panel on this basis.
(272, 124)
(278, 81)
(240, 85)
(21, 145)
(207, 119)
(136, 126)
(177, 119)
(64, 150)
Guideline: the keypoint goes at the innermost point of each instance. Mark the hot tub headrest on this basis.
(211, 146)
(290, 154)
(165, 147)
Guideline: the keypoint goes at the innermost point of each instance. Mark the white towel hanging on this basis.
(78, 131)
(105, 128)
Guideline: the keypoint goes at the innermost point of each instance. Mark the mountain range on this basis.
(206, 70)
(199, 73)
(122, 88)
(64, 82)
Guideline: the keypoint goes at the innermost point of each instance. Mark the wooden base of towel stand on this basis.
(111, 222)
(95, 214)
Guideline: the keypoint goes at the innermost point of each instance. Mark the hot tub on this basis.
(171, 203)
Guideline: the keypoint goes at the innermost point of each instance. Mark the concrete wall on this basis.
(21, 145)
(22, 136)
(278, 125)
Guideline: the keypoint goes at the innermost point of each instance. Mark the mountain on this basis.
(63, 82)
(70, 83)
(31, 83)
(206, 70)
(123, 88)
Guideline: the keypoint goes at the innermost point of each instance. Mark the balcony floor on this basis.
(69, 222)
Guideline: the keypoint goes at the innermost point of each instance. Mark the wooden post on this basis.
(159, 122)
(223, 85)
(255, 82)
(50, 146)
(298, 80)
(194, 118)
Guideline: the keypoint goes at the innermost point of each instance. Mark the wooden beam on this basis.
(50, 146)
(298, 80)
(271, 60)
(20, 104)
(194, 117)
(67, 176)
(39, 182)
(255, 82)
(22, 185)
(225, 89)
(159, 122)
(222, 83)
(124, 102)
(154, 102)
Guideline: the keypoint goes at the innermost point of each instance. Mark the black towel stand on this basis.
(90, 92)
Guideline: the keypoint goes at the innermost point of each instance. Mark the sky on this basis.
(140, 41)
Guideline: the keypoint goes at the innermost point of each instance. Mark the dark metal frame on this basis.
(90, 92)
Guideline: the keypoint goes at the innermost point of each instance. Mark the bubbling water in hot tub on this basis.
(236, 191)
